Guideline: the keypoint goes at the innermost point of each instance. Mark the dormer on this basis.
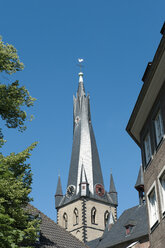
(130, 224)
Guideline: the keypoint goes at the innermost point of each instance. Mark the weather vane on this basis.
(80, 64)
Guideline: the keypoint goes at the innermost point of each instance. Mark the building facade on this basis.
(131, 228)
(147, 127)
(84, 209)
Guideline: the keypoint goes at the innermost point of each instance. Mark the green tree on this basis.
(13, 97)
(17, 227)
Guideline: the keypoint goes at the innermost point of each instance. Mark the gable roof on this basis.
(52, 235)
(117, 234)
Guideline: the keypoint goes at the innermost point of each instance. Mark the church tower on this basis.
(85, 207)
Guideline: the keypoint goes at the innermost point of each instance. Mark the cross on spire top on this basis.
(80, 64)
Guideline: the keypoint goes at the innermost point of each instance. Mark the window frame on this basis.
(93, 216)
(157, 139)
(153, 223)
(128, 229)
(75, 217)
(147, 161)
(161, 194)
(106, 217)
(65, 220)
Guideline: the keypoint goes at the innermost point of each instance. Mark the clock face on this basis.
(70, 190)
(99, 188)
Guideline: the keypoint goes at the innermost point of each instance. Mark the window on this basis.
(153, 209)
(162, 191)
(93, 215)
(106, 216)
(65, 220)
(147, 148)
(75, 216)
(129, 225)
(128, 229)
(158, 123)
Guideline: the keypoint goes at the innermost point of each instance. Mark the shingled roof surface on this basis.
(52, 235)
(117, 234)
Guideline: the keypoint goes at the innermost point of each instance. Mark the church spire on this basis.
(85, 185)
(84, 145)
(112, 188)
(139, 186)
(81, 90)
(59, 194)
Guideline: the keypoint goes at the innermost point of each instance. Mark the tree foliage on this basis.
(9, 60)
(17, 227)
(13, 97)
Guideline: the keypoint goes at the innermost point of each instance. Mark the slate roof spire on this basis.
(84, 146)
(83, 178)
(112, 188)
(139, 186)
(84, 185)
(59, 187)
(59, 194)
(140, 179)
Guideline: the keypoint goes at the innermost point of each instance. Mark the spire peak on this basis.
(80, 77)
(81, 91)
(112, 185)
(59, 187)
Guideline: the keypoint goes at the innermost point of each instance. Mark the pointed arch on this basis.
(75, 217)
(65, 220)
(106, 216)
(93, 215)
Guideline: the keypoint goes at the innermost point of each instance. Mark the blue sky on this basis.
(116, 39)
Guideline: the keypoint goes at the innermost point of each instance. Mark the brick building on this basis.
(147, 128)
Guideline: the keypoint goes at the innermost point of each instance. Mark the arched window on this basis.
(75, 216)
(106, 216)
(65, 220)
(93, 215)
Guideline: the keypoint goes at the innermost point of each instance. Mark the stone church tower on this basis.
(84, 209)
